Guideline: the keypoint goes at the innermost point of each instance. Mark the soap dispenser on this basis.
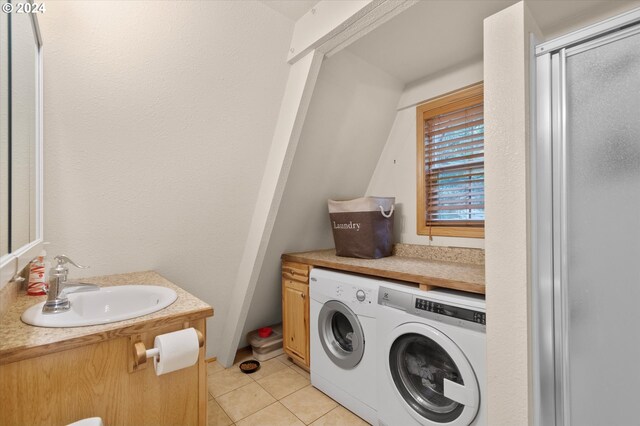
(38, 272)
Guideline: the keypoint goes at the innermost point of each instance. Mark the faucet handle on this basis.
(62, 259)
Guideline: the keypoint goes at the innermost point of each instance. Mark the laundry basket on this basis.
(363, 227)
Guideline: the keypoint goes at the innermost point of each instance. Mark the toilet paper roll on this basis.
(178, 350)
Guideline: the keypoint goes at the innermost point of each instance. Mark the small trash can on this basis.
(363, 227)
(267, 347)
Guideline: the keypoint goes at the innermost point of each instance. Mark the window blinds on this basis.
(454, 166)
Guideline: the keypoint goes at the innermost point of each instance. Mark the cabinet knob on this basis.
(302, 295)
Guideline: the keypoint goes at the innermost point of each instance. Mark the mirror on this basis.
(24, 52)
(20, 135)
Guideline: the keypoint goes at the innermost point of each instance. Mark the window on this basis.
(451, 164)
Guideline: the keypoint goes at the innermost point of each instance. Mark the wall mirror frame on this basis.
(19, 254)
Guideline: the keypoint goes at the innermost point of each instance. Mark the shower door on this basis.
(588, 229)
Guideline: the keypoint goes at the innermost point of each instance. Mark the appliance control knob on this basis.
(360, 295)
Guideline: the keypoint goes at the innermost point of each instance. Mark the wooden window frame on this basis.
(436, 106)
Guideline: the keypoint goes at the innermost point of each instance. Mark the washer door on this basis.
(432, 376)
(340, 334)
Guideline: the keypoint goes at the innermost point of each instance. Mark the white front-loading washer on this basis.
(343, 339)
(431, 357)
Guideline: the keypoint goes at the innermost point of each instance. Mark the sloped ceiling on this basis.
(292, 9)
(427, 38)
(436, 35)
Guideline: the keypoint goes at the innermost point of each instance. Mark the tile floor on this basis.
(279, 394)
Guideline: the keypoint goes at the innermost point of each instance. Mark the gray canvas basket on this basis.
(363, 227)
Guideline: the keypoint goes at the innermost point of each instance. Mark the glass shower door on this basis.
(596, 227)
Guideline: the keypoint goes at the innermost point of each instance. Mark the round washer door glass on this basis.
(430, 381)
(340, 334)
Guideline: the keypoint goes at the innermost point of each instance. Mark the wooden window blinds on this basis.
(450, 133)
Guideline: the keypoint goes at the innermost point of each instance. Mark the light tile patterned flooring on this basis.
(279, 394)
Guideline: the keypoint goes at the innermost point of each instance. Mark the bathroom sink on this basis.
(109, 304)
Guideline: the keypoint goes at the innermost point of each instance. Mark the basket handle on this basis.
(385, 214)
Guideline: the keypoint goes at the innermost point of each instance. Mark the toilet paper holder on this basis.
(141, 353)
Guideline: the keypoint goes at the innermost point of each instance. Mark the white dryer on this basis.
(431, 357)
(343, 339)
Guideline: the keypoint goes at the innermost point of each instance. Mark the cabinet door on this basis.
(295, 313)
(94, 380)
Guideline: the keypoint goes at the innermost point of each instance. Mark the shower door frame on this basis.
(548, 219)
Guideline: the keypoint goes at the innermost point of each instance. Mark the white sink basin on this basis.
(109, 304)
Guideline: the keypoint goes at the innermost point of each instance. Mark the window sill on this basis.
(452, 231)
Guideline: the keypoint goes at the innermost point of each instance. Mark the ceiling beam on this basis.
(330, 26)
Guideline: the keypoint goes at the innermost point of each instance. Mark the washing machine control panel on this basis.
(361, 295)
(451, 311)
(353, 293)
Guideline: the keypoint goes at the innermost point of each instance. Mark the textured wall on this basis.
(507, 234)
(158, 122)
(347, 124)
(395, 173)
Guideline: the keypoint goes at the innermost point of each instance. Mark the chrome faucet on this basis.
(59, 288)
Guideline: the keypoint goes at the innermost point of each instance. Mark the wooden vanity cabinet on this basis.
(99, 379)
(295, 312)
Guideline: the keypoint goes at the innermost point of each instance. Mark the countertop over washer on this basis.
(424, 266)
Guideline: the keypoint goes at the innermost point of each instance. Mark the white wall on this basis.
(507, 226)
(395, 173)
(347, 124)
(554, 21)
(158, 122)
